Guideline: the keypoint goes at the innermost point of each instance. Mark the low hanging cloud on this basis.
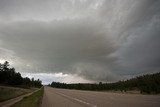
(96, 40)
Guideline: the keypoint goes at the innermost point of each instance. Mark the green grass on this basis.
(7, 93)
(34, 100)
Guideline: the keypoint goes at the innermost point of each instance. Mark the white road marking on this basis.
(78, 100)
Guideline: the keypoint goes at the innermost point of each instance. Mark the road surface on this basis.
(54, 97)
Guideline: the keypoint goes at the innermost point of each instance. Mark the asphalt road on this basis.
(74, 98)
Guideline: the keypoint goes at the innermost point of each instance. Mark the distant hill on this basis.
(149, 84)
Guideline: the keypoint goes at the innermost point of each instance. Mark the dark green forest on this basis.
(146, 84)
(8, 76)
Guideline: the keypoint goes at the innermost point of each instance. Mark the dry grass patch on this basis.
(34, 100)
(7, 93)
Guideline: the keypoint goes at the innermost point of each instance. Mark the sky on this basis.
(80, 41)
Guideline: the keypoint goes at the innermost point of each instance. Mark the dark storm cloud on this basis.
(141, 51)
(59, 45)
(97, 40)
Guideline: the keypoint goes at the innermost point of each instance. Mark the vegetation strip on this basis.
(7, 93)
(34, 100)
(12, 101)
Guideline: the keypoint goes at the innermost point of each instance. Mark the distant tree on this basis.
(146, 84)
(8, 76)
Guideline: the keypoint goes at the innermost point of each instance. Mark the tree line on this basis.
(149, 84)
(8, 76)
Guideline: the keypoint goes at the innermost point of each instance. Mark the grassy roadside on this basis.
(34, 100)
(7, 92)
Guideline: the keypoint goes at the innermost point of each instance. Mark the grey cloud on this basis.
(60, 43)
(141, 52)
(48, 10)
(96, 40)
